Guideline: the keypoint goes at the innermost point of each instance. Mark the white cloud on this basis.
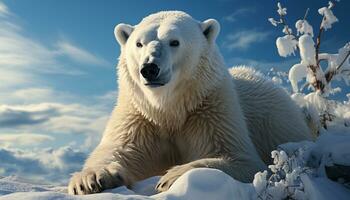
(33, 113)
(10, 79)
(36, 94)
(50, 112)
(19, 115)
(54, 118)
(79, 54)
(244, 39)
(26, 59)
(27, 106)
(3, 9)
(23, 139)
(233, 17)
(39, 95)
(50, 165)
(41, 165)
(21, 53)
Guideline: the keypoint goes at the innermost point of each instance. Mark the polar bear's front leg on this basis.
(130, 150)
(102, 171)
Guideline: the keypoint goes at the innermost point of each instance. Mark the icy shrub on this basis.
(283, 181)
(309, 68)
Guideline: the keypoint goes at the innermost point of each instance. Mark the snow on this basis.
(328, 16)
(298, 172)
(342, 112)
(260, 182)
(196, 184)
(317, 101)
(296, 74)
(277, 80)
(331, 59)
(307, 50)
(286, 45)
(273, 21)
(311, 113)
(286, 30)
(316, 77)
(335, 60)
(315, 189)
(342, 52)
(344, 71)
(281, 11)
(303, 27)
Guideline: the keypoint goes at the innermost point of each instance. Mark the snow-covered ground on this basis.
(299, 172)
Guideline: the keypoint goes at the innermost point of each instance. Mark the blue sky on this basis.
(90, 26)
(58, 57)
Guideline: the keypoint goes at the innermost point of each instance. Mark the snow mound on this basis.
(299, 171)
(198, 183)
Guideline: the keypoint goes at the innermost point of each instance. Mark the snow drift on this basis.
(299, 172)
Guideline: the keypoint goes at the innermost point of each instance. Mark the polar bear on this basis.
(180, 108)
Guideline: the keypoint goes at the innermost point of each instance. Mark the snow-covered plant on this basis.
(284, 179)
(318, 78)
(278, 77)
(342, 112)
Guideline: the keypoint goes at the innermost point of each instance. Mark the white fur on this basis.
(203, 117)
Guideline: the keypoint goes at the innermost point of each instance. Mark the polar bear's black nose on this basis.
(150, 71)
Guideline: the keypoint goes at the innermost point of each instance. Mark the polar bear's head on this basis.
(164, 49)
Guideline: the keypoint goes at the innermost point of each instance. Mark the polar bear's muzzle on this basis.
(151, 74)
(150, 71)
(154, 71)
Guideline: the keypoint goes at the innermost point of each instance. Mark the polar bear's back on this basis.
(272, 117)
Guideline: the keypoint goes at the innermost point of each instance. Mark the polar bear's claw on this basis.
(91, 181)
(171, 176)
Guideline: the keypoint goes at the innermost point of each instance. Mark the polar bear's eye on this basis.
(139, 45)
(174, 43)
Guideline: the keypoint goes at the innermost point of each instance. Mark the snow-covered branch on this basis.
(308, 50)
(338, 64)
(309, 67)
(327, 21)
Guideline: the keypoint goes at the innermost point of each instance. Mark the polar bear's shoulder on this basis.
(253, 85)
(246, 73)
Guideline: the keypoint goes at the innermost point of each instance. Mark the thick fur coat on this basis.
(203, 116)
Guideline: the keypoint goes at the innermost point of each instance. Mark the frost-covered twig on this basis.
(309, 52)
(329, 75)
(282, 21)
(306, 13)
(319, 85)
(310, 57)
(321, 30)
(346, 57)
(284, 179)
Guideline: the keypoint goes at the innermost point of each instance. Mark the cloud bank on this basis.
(34, 115)
(42, 166)
(245, 39)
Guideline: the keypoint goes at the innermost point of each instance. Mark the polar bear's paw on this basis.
(171, 176)
(91, 181)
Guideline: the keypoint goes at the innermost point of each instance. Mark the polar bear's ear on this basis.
(122, 33)
(210, 29)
